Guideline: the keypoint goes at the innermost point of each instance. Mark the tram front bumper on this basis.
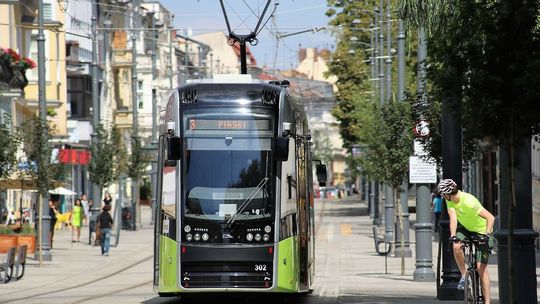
(249, 267)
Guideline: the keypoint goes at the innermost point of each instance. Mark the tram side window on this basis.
(168, 188)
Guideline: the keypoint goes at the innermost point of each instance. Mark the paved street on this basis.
(348, 269)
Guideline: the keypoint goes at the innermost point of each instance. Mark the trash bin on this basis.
(92, 225)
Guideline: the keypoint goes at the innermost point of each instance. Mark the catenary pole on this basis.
(388, 191)
(135, 120)
(423, 226)
(403, 194)
(153, 140)
(96, 195)
(43, 252)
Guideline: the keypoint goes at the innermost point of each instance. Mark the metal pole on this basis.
(388, 52)
(403, 195)
(186, 61)
(389, 192)
(516, 259)
(153, 175)
(243, 63)
(135, 117)
(423, 226)
(374, 194)
(381, 53)
(43, 252)
(95, 94)
(171, 52)
(211, 65)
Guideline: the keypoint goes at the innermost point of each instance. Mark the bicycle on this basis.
(472, 290)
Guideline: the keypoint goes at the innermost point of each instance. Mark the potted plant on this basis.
(13, 67)
(8, 239)
(16, 236)
(26, 235)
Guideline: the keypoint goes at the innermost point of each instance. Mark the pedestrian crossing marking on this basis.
(346, 229)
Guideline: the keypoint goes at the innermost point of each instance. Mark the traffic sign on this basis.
(421, 129)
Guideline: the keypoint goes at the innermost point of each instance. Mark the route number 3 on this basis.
(260, 267)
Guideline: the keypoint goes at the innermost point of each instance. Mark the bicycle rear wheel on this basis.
(470, 288)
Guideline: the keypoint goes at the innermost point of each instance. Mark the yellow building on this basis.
(18, 31)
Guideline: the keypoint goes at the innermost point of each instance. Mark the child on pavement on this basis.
(105, 222)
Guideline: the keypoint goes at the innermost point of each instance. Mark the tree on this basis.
(35, 135)
(137, 159)
(9, 143)
(108, 160)
(101, 168)
(487, 57)
(322, 147)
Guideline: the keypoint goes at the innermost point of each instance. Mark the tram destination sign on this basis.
(228, 124)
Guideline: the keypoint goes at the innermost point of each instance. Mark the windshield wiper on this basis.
(247, 201)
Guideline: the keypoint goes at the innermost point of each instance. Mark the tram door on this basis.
(303, 213)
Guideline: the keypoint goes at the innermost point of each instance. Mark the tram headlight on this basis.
(266, 237)
(249, 237)
(267, 229)
(189, 237)
(205, 237)
(197, 237)
(257, 237)
(187, 228)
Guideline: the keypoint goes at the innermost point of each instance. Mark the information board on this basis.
(422, 171)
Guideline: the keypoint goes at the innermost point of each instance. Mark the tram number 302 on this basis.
(260, 267)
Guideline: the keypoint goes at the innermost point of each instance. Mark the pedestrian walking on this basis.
(105, 222)
(107, 201)
(436, 205)
(85, 206)
(52, 213)
(77, 215)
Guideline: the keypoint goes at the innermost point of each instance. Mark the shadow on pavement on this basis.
(237, 299)
(297, 299)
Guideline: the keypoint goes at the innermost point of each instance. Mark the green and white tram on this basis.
(234, 191)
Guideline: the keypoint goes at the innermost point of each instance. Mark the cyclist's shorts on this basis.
(482, 252)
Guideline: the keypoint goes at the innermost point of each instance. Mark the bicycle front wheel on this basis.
(470, 288)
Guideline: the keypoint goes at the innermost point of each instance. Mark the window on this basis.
(79, 96)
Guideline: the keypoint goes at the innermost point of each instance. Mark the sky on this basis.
(291, 16)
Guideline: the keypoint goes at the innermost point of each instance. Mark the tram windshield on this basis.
(228, 166)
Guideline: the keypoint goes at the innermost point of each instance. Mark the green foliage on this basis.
(137, 159)
(35, 135)
(382, 132)
(6, 230)
(26, 229)
(487, 56)
(102, 164)
(389, 144)
(121, 159)
(9, 143)
(322, 147)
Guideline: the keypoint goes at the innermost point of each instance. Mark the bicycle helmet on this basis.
(447, 186)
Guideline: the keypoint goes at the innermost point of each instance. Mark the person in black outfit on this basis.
(107, 200)
(52, 213)
(105, 222)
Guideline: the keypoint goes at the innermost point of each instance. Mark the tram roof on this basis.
(228, 88)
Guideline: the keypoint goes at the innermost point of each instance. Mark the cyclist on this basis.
(468, 217)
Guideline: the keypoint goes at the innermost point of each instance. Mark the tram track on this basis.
(110, 293)
(78, 285)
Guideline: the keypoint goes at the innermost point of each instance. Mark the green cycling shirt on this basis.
(467, 211)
